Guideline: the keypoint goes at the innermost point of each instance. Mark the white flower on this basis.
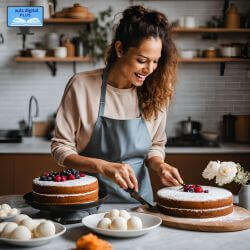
(211, 170)
(226, 173)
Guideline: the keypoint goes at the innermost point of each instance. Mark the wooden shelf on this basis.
(51, 62)
(209, 30)
(69, 20)
(213, 60)
(52, 59)
(87, 59)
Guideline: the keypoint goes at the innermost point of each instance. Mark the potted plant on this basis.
(94, 36)
(226, 172)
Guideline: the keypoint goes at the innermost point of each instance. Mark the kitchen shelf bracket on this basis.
(222, 68)
(52, 67)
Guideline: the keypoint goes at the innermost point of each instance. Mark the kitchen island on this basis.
(158, 239)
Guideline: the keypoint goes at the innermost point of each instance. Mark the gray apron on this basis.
(122, 141)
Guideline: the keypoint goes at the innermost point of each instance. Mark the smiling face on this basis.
(137, 63)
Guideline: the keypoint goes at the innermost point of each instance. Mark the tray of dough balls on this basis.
(25, 231)
(121, 223)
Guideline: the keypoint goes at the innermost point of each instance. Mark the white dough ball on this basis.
(2, 225)
(134, 223)
(21, 233)
(20, 217)
(112, 214)
(13, 212)
(6, 208)
(3, 214)
(8, 229)
(104, 223)
(29, 223)
(118, 223)
(45, 229)
(124, 214)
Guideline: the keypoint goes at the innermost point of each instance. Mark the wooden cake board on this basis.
(237, 221)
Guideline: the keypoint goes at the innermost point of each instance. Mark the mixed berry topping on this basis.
(65, 175)
(192, 188)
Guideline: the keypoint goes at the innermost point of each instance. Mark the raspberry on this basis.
(63, 178)
(82, 174)
(71, 177)
(57, 178)
(198, 189)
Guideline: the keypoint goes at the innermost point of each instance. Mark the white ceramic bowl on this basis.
(38, 53)
(60, 229)
(210, 136)
(188, 53)
(149, 222)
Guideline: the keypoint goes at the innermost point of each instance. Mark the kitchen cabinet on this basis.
(191, 167)
(18, 171)
(7, 174)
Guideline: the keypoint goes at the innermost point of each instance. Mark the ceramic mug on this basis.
(60, 52)
(189, 22)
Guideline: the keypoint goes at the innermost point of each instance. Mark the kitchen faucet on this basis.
(30, 118)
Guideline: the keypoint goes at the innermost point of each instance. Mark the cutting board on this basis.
(237, 221)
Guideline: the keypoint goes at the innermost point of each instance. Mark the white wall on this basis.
(200, 92)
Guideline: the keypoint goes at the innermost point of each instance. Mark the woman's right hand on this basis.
(120, 173)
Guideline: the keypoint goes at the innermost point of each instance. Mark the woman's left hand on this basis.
(169, 175)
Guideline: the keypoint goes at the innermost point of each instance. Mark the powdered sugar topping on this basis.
(177, 193)
(87, 179)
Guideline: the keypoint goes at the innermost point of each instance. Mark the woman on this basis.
(112, 121)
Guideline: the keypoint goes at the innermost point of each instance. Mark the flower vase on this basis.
(244, 196)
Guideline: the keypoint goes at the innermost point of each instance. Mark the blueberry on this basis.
(206, 191)
(49, 178)
(191, 190)
(42, 178)
(77, 176)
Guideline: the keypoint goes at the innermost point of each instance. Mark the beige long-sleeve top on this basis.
(78, 112)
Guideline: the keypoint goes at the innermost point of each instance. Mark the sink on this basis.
(10, 135)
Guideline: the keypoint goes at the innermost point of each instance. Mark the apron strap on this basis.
(103, 94)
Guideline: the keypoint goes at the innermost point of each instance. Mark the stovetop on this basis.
(196, 141)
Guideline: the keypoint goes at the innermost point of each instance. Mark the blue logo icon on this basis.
(25, 16)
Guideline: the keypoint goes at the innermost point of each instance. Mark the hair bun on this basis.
(134, 12)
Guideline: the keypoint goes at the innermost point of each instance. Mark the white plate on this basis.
(10, 217)
(60, 229)
(149, 222)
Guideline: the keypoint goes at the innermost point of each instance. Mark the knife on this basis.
(137, 197)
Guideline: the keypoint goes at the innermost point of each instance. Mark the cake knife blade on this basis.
(137, 197)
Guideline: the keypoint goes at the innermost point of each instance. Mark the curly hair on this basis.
(138, 23)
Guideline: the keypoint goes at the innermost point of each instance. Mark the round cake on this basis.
(207, 202)
(65, 188)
